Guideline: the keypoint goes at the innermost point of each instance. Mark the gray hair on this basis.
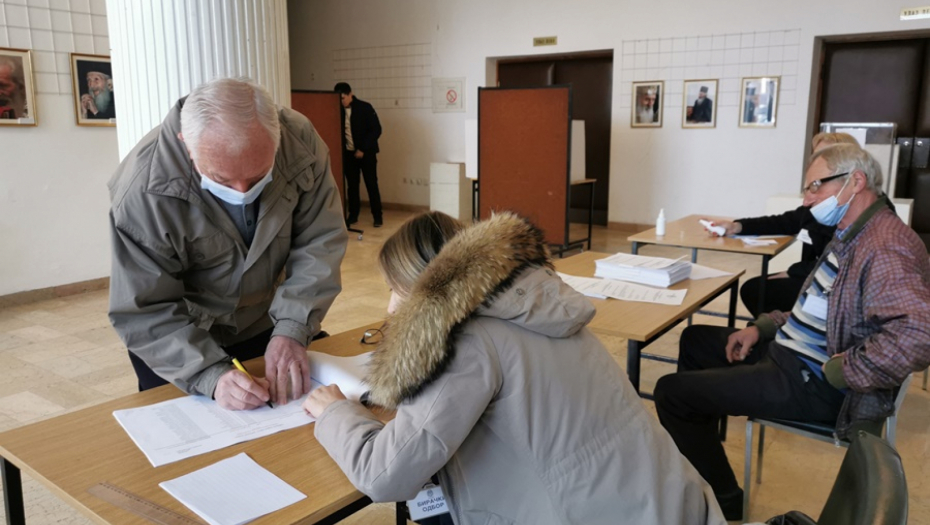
(225, 106)
(851, 158)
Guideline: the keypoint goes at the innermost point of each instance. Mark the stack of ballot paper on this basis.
(654, 271)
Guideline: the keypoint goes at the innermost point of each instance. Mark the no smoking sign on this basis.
(448, 95)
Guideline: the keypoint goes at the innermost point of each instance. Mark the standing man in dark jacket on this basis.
(362, 128)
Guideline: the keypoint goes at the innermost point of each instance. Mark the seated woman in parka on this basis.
(502, 391)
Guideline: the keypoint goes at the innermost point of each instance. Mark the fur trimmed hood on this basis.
(468, 277)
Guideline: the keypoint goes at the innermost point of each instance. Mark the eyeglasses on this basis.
(372, 336)
(814, 186)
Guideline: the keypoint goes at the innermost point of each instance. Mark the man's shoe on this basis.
(378, 223)
(350, 222)
(732, 505)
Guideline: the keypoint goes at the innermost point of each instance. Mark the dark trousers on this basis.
(770, 383)
(368, 166)
(780, 294)
(248, 349)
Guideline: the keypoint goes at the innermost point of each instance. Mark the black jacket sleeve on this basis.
(788, 223)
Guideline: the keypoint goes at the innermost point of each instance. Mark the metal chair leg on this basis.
(890, 423)
(747, 471)
(761, 444)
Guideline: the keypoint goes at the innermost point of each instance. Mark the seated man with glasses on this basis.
(860, 326)
(782, 289)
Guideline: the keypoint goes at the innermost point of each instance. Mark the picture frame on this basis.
(699, 104)
(758, 106)
(648, 101)
(17, 88)
(92, 84)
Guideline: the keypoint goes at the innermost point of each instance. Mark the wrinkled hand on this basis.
(739, 344)
(286, 359)
(359, 154)
(731, 227)
(318, 400)
(88, 104)
(237, 391)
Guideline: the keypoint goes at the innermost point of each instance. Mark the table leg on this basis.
(400, 513)
(635, 248)
(633, 350)
(590, 216)
(762, 282)
(13, 493)
(734, 293)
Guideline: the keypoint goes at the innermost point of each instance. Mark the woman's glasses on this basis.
(373, 336)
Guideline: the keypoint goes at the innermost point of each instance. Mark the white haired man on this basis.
(860, 326)
(98, 102)
(12, 89)
(227, 236)
(646, 105)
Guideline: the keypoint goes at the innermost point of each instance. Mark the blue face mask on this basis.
(828, 212)
(231, 196)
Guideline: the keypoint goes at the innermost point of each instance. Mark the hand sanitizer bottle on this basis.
(660, 223)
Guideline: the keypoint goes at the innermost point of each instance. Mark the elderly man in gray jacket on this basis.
(228, 234)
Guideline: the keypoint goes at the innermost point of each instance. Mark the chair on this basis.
(870, 488)
(818, 431)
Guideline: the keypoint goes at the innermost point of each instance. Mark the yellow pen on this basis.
(246, 372)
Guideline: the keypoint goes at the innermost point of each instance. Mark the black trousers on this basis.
(780, 294)
(770, 383)
(368, 166)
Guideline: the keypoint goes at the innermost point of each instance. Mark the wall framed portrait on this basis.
(699, 106)
(647, 104)
(758, 106)
(92, 80)
(17, 88)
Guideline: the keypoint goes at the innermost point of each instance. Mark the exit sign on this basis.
(545, 41)
(915, 13)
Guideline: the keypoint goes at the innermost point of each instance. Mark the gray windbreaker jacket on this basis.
(183, 282)
(501, 389)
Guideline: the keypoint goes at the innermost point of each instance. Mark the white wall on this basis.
(726, 171)
(53, 195)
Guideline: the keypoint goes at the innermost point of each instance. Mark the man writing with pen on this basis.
(227, 235)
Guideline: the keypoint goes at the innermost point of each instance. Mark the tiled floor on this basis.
(61, 355)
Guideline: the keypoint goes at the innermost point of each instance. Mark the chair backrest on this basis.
(870, 488)
(899, 395)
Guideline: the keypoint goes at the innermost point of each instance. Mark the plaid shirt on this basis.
(879, 312)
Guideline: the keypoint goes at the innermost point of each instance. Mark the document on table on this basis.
(624, 291)
(189, 426)
(699, 272)
(232, 492)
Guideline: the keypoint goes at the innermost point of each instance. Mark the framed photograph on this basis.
(647, 104)
(699, 104)
(94, 103)
(759, 102)
(17, 88)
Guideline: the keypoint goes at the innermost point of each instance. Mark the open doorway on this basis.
(591, 77)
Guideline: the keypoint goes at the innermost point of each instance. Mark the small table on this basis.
(71, 453)
(643, 323)
(688, 233)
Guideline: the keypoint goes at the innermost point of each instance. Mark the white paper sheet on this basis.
(189, 426)
(641, 261)
(699, 272)
(624, 291)
(232, 492)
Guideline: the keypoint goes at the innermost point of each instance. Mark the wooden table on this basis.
(73, 452)
(643, 323)
(688, 233)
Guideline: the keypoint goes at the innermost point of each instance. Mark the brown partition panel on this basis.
(524, 138)
(323, 110)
